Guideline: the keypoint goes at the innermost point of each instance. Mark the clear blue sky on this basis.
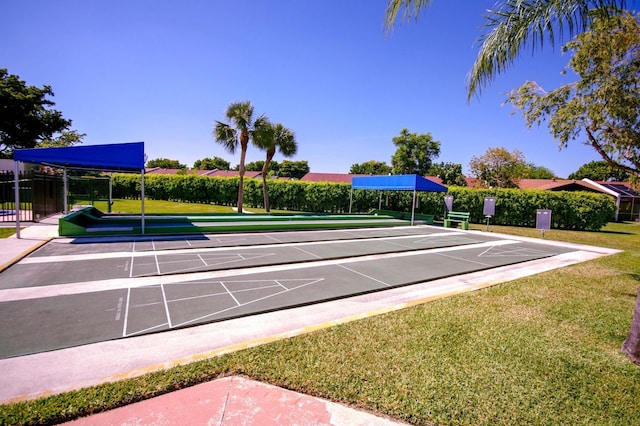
(163, 71)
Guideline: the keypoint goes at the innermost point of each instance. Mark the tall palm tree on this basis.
(512, 26)
(271, 138)
(230, 136)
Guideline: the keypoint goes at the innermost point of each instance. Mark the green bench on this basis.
(457, 217)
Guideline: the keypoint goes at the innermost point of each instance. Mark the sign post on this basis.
(448, 204)
(489, 209)
(543, 220)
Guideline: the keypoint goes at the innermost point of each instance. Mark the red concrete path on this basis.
(234, 401)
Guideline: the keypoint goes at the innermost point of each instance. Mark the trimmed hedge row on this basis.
(570, 210)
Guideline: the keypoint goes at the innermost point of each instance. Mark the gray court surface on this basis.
(73, 292)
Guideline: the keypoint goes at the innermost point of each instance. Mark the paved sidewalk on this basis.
(32, 236)
(235, 401)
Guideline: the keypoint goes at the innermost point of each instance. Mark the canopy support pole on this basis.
(380, 201)
(413, 207)
(65, 190)
(350, 199)
(16, 178)
(142, 200)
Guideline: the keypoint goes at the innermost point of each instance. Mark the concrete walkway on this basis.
(234, 400)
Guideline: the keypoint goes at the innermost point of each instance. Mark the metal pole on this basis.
(350, 199)
(413, 207)
(65, 190)
(110, 191)
(16, 209)
(142, 197)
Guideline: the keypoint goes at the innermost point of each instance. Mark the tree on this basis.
(370, 167)
(450, 173)
(599, 171)
(271, 138)
(215, 163)
(165, 163)
(256, 166)
(499, 168)
(603, 106)
(414, 153)
(294, 169)
(538, 172)
(512, 26)
(237, 134)
(26, 119)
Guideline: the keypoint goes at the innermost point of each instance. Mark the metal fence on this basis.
(41, 195)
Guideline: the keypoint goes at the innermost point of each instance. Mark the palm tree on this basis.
(271, 137)
(240, 115)
(512, 26)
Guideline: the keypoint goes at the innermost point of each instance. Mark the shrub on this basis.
(570, 210)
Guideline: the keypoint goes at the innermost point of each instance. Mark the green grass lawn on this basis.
(7, 232)
(160, 206)
(540, 350)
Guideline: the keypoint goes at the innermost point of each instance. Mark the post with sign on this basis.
(489, 209)
(448, 204)
(543, 220)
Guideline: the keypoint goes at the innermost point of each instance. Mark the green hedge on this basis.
(570, 210)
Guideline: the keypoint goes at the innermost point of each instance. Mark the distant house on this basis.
(328, 177)
(210, 173)
(346, 177)
(233, 173)
(627, 200)
(163, 171)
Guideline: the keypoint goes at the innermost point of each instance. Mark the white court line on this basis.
(24, 293)
(308, 252)
(145, 330)
(157, 264)
(166, 305)
(115, 255)
(365, 275)
(191, 321)
(126, 314)
(133, 258)
(280, 284)
(230, 293)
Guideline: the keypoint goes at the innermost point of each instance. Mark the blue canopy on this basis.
(397, 183)
(114, 157)
(127, 157)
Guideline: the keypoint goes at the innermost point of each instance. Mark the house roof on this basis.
(233, 173)
(329, 177)
(556, 184)
(210, 173)
(162, 171)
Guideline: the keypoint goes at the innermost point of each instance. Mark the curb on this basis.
(24, 254)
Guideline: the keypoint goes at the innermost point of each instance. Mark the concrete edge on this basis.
(24, 254)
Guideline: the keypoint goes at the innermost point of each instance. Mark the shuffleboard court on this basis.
(76, 292)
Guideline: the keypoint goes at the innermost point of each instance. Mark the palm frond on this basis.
(410, 9)
(262, 133)
(226, 136)
(520, 24)
(285, 141)
(241, 115)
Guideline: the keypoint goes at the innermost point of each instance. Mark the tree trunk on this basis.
(631, 346)
(265, 193)
(244, 141)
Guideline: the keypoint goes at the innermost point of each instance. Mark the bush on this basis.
(515, 207)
